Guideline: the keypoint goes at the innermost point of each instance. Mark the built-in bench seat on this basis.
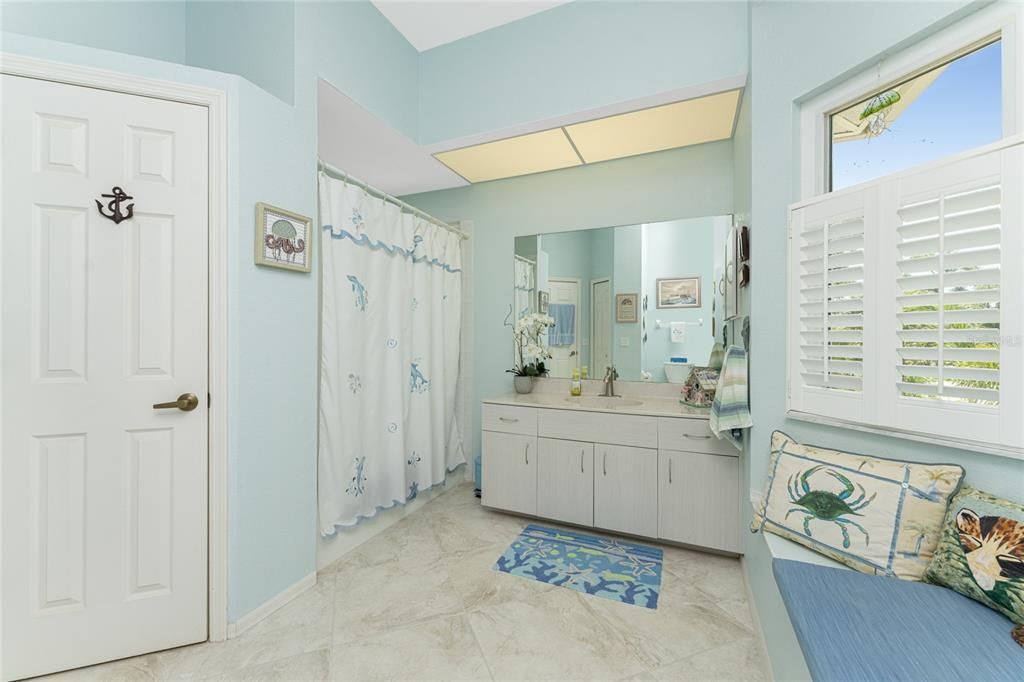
(854, 626)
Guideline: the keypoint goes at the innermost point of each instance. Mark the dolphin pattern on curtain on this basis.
(391, 313)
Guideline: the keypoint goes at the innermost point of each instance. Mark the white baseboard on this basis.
(271, 605)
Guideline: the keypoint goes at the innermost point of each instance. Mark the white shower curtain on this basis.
(391, 316)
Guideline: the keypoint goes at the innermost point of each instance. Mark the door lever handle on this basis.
(186, 402)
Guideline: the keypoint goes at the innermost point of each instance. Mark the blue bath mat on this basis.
(611, 569)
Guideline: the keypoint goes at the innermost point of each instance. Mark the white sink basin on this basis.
(603, 402)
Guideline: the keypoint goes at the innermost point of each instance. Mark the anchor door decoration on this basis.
(113, 212)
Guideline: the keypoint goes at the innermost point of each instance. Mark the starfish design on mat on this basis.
(573, 574)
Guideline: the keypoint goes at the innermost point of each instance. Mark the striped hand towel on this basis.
(731, 408)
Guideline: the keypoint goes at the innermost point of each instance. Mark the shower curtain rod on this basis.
(380, 194)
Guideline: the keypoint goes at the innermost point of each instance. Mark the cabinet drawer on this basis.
(691, 435)
(510, 419)
(599, 427)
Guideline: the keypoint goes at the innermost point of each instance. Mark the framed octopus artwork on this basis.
(283, 239)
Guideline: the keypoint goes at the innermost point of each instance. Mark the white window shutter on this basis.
(829, 327)
(948, 374)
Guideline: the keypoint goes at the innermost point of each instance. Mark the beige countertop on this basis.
(651, 406)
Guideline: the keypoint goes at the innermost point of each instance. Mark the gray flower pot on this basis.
(523, 384)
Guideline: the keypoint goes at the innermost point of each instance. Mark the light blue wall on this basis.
(780, 76)
(628, 266)
(691, 182)
(679, 248)
(577, 56)
(352, 45)
(258, 45)
(274, 375)
(147, 29)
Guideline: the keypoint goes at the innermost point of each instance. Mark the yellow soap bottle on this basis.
(577, 385)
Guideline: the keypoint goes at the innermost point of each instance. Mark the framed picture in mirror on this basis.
(678, 292)
(543, 302)
(626, 307)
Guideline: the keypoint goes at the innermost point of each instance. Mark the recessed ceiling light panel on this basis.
(532, 153)
(694, 121)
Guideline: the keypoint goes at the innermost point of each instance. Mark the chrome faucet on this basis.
(609, 383)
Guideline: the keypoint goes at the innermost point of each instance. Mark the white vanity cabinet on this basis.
(698, 486)
(509, 471)
(565, 480)
(698, 498)
(509, 466)
(639, 474)
(626, 489)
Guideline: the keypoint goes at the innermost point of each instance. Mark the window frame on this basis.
(1004, 22)
(999, 22)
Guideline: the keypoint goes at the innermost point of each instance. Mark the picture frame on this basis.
(283, 239)
(543, 302)
(678, 292)
(626, 306)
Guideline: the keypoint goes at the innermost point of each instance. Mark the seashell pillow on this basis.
(875, 515)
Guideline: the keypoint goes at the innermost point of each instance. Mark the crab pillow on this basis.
(875, 515)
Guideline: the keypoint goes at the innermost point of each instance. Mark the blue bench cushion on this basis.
(853, 626)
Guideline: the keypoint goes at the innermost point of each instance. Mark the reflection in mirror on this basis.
(642, 298)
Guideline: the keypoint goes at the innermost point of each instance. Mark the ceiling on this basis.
(429, 23)
(354, 140)
(360, 143)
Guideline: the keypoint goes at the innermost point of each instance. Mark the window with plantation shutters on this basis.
(906, 303)
(948, 259)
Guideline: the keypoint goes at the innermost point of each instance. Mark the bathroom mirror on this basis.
(647, 299)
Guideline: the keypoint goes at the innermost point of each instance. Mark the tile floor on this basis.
(421, 601)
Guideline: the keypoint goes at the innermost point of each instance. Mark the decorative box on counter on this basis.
(699, 389)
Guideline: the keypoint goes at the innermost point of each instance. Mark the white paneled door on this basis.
(104, 496)
(565, 356)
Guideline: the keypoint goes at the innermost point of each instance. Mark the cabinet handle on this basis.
(526, 454)
(604, 463)
(670, 472)
(508, 420)
(581, 459)
(695, 437)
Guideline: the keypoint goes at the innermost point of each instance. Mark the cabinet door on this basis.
(509, 471)
(565, 481)
(698, 499)
(626, 489)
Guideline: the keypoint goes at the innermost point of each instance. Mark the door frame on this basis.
(593, 332)
(215, 102)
